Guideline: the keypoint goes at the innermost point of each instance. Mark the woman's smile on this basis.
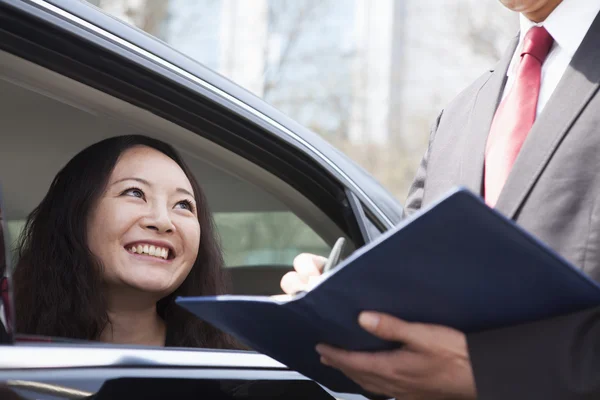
(151, 249)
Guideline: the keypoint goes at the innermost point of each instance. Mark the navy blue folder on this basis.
(457, 263)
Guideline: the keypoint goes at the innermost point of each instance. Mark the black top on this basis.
(169, 339)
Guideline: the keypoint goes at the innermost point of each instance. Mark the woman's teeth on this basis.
(150, 250)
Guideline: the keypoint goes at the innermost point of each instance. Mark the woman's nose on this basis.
(159, 220)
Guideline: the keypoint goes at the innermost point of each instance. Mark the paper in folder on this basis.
(457, 263)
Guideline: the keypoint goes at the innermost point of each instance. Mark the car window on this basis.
(262, 222)
(266, 238)
(250, 238)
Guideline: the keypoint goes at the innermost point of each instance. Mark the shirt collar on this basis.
(567, 24)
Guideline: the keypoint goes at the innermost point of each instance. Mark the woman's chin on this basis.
(159, 284)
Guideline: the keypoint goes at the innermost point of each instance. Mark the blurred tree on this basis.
(484, 26)
(148, 15)
(308, 72)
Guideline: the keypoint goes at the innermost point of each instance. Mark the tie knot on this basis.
(537, 43)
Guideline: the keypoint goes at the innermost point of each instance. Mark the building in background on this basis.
(375, 24)
(242, 40)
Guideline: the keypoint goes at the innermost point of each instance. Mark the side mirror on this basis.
(6, 304)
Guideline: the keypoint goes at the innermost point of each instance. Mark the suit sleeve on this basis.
(414, 201)
(557, 358)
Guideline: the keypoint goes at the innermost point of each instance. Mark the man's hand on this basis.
(307, 273)
(433, 363)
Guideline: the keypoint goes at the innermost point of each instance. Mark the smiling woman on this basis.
(122, 231)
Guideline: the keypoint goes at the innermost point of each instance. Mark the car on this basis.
(70, 76)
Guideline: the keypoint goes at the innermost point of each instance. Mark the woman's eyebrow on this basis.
(182, 190)
(145, 182)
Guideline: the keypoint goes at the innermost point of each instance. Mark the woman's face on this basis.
(144, 228)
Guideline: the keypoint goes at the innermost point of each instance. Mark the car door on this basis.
(63, 371)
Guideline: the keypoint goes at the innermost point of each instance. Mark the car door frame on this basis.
(94, 364)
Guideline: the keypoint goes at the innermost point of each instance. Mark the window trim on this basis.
(361, 218)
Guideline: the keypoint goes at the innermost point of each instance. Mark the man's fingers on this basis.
(393, 329)
(291, 283)
(309, 264)
(346, 360)
(306, 274)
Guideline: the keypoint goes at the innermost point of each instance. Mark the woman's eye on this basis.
(186, 205)
(134, 193)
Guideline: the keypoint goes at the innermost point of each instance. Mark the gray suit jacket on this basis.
(553, 192)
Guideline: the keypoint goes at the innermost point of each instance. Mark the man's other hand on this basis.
(306, 274)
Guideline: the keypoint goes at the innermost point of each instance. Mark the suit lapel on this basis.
(575, 89)
(480, 121)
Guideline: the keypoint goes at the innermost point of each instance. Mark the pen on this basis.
(334, 256)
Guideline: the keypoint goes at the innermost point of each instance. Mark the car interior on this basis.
(47, 118)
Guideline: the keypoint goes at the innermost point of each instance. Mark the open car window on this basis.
(262, 221)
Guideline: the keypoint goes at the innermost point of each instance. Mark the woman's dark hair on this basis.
(58, 281)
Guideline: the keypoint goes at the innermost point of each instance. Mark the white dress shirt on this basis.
(567, 24)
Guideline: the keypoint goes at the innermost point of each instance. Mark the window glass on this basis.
(266, 238)
(14, 228)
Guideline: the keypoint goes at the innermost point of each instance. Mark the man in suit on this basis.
(526, 136)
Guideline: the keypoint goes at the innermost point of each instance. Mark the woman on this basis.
(123, 230)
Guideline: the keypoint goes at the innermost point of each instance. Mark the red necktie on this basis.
(515, 115)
